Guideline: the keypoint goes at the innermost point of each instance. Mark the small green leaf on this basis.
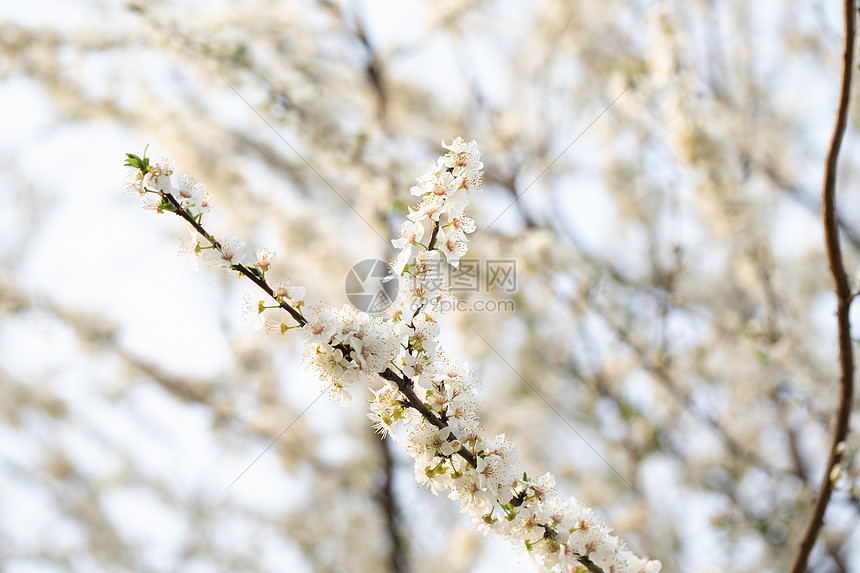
(141, 163)
(133, 160)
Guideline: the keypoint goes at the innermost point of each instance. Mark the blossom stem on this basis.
(260, 282)
(432, 244)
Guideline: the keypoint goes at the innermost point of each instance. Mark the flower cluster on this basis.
(344, 345)
(434, 398)
(445, 189)
(143, 177)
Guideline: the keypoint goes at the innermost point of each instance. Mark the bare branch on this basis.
(843, 299)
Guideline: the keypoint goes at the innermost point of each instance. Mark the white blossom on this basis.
(231, 253)
(188, 192)
(264, 258)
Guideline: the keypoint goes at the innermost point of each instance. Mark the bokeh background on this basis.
(652, 167)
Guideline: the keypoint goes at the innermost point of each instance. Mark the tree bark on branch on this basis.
(844, 298)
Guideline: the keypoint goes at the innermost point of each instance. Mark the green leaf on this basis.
(133, 160)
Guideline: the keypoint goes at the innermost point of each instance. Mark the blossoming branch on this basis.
(399, 358)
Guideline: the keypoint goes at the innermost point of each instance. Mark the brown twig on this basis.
(260, 282)
(404, 384)
(843, 299)
(432, 244)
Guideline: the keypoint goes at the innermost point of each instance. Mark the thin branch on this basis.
(843, 299)
(260, 282)
(405, 386)
(432, 244)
